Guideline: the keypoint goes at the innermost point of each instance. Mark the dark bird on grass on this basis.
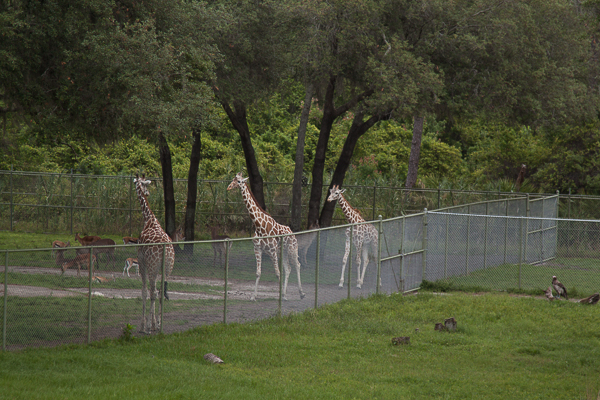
(559, 287)
(593, 299)
(549, 293)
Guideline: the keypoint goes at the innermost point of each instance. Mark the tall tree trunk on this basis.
(190, 209)
(299, 167)
(357, 129)
(167, 172)
(415, 152)
(238, 118)
(330, 113)
(316, 190)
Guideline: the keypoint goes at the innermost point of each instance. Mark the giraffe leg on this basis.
(293, 254)
(345, 259)
(258, 255)
(365, 262)
(359, 281)
(272, 250)
(153, 303)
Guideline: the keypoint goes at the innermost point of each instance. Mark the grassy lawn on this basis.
(580, 276)
(505, 348)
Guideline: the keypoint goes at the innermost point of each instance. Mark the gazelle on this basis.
(86, 240)
(218, 247)
(79, 261)
(101, 279)
(131, 262)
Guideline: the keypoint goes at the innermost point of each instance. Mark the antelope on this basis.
(110, 251)
(131, 262)
(86, 240)
(129, 239)
(57, 244)
(101, 279)
(218, 247)
(79, 261)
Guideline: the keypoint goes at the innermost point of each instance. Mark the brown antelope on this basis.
(109, 251)
(79, 261)
(60, 259)
(57, 244)
(130, 240)
(86, 240)
(218, 247)
(131, 262)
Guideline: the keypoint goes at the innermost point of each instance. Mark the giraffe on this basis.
(265, 225)
(150, 257)
(362, 235)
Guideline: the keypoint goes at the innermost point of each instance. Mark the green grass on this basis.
(580, 276)
(504, 348)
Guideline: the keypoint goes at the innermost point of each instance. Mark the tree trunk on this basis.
(296, 221)
(238, 118)
(415, 151)
(316, 189)
(330, 113)
(190, 209)
(167, 172)
(357, 129)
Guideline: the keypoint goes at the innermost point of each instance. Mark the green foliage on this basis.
(573, 162)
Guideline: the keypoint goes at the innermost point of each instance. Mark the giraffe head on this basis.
(143, 183)
(335, 193)
(237, 181)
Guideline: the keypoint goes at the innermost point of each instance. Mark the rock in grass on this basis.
(213, 359)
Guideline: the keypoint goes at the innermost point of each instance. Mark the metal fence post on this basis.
(72, 203)
(12, 207)
(5, 311)
(162, 287)
(468, 239)
(226, 280)
(506, 233)
(379, 233)
(485, 234)
(446, 247)
(317, 262)
(90, 273)
(528, 210)
(130, 204)
(439, 196)
(424, 272)
(520, 248)
(401, 251)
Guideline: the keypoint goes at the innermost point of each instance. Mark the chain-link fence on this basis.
(517, 245)
(55, 203)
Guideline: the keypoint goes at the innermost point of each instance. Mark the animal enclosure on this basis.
(492, 252)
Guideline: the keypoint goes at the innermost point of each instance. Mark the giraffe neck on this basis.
(146, 211)
(255, 211)
(352, 216)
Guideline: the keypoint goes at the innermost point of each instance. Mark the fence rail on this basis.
(513, 244)
(61, 203)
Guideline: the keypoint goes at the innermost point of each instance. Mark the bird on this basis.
(549, 293)
(593, 299)
(559, 287)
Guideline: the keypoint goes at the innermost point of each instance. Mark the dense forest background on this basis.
(430, 93)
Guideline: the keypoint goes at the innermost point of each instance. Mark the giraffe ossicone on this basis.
(150, 257)
(265, 226)
(363, 236)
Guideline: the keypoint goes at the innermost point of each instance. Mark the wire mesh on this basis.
(215, 281)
